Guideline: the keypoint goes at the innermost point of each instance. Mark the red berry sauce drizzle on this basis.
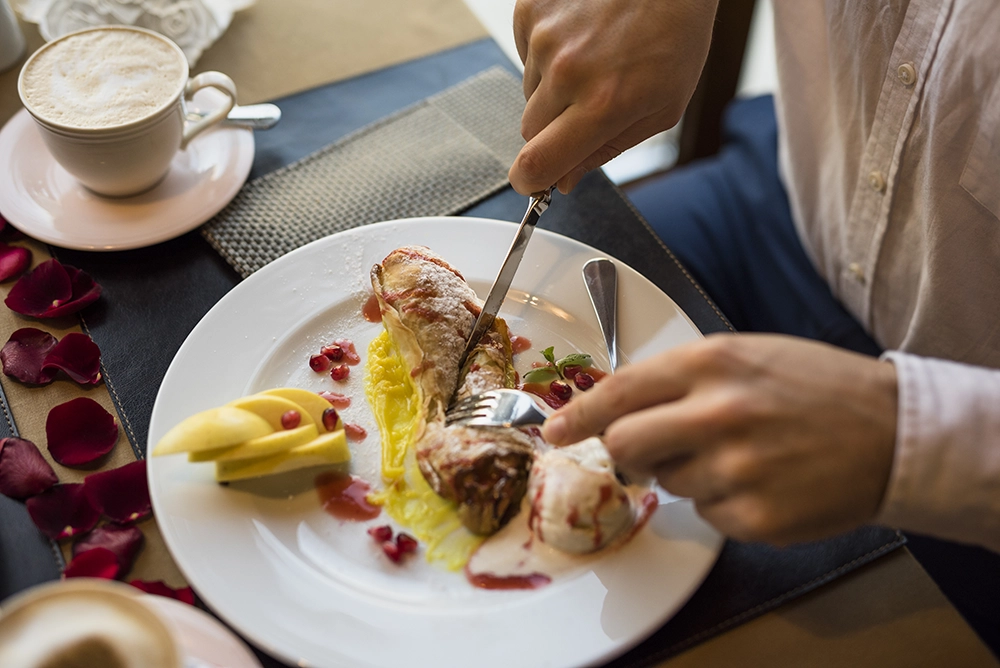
(491, 581)
(344, 496)
(518, 344)
(371, 310)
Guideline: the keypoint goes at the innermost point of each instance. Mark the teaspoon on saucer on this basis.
(253, 116)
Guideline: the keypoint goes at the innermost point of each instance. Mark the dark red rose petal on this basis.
(51, 290)
(23, 470)
(160, 588)
(124, 542)
(63, 511)
(80, 431)
(98, 562)
(24, 354)
(8, 231)
(47, 286)
(85, 291)
(13, 261)
(122, 494)
(78, 356)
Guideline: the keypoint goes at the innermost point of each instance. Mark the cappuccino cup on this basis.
(85, 623)
(111, 103)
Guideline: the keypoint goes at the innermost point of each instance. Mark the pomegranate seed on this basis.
(560, 390)
(340, 372)
(392, 551)
(338, 400)
(583, 380)
(290, 419)
(406, 543)
(333, 352)
(355, 432)
(319, 363)
(570, 371)
(382, 533)
(330, 419)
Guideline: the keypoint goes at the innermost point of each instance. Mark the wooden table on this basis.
(888, 613)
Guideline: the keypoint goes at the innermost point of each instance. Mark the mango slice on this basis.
(246, 438)
(314, 404)
(328, 448)
(271, 408)
(273, 443)
(213, 429)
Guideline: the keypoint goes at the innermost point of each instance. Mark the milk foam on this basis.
(102, 78)
(51, 632)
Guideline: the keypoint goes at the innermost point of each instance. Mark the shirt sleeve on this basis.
(945, 478)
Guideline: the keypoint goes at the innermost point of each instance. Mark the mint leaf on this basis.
(543, 374)
(549, 355)
(582, 360)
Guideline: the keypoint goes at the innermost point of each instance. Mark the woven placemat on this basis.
(434, 158)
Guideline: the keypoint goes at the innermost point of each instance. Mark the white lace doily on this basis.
(193, 24)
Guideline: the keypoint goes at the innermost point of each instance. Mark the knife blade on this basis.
(536, 207)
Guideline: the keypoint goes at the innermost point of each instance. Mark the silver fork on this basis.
(496, 408)
(504, 408)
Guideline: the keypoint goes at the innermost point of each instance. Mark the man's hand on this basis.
(600, 76)
(775, 438)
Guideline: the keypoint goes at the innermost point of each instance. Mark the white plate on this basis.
(41, 199)
(201, 636)
(316, 591)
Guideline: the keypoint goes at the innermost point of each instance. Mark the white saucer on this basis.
(41, 199)
(202, 636)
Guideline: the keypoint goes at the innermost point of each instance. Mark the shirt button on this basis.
(858, 272)
(876, 180)
(907, 75)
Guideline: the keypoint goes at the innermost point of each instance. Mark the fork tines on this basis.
(476, 406)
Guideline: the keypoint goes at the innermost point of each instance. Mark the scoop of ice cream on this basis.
(577, 503)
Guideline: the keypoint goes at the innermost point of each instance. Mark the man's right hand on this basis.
(600, 76)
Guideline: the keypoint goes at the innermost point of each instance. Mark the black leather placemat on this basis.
(155, 296)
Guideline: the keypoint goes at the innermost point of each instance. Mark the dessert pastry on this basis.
(429, 311)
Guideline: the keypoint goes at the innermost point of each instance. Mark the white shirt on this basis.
(890, 151)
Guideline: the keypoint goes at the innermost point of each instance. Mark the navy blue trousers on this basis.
(727, 218)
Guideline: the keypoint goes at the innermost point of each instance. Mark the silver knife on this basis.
(536, 207)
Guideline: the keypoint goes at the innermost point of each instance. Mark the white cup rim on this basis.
(115, 129)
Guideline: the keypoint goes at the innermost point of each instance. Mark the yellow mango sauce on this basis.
(407, 497)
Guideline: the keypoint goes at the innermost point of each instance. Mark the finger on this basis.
(544, 105)
(685, 476)
(522, 22)
(532, 77)
(748, 517)
(662, 434)
(559, 147)
(723, 514)
(571, 180)
(632, 136)
(657, 380)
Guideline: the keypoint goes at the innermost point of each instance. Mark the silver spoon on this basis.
(253, 116)
(601, 279)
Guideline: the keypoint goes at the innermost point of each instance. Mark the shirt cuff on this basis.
(945, 478)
